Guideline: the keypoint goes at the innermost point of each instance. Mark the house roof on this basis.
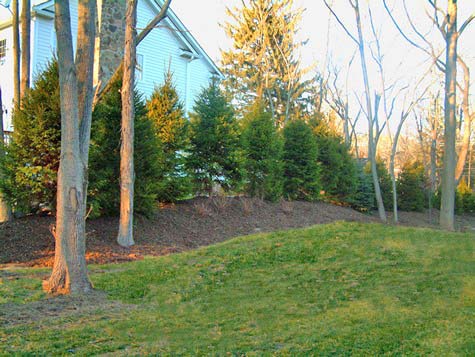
(46, 9)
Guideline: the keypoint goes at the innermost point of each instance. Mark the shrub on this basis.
(167, 114)
(104, 167)
(466, 198)
(32, 158)
(301, 169)
(262, 149)
(410, 188)
(214, 156)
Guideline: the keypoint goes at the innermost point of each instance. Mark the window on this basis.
(139, 68)
(3, 50)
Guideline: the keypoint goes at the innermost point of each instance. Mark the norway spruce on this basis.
(104, 157)
(301, 169)
(214, 142)
(32, 157)
(166, 112)
(262, 148)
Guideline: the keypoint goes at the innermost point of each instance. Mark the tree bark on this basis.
(127, 176)
(85, 61)
(5, 211)
(447, 207)
(16, 53)
(69, 271)
(25, 47)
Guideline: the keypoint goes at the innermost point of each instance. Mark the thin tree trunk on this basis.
(5, 211)
(16, 53)
(447, 208)
(346, 127)
(392, 164)
(372, 147)
(467, 130)
(127, 176)
(69, 271)
(85, 61)
(433, 165)
(25, 46)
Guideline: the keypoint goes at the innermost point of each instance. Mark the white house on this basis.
(170, 46)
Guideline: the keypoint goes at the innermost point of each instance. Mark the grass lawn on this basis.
(337, 289)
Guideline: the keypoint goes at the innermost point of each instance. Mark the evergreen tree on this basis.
(410, 188)
(264, 62)
(32, 157)
(466, 197)
(301, 169)
(363, 198)
(339, 175)
(167, 114)
(262, 148)
(104, 160)
(214, 142)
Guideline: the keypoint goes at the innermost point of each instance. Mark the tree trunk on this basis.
(5, 211)
(69, 271)
(433, 164)
(85, 61)
(127, 176)
(392, 164)
(25, 46)
(467, 130)
(448, 173)
(372, 144)
(16, 53)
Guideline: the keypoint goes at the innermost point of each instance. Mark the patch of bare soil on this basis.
(174, 228)
(40, 312)
(463, 223)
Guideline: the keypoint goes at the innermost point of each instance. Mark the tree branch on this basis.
(341, 23)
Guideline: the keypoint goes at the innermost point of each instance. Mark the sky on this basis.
(404, 64)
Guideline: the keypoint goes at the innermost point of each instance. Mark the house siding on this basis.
(6, 78)
(161, 51)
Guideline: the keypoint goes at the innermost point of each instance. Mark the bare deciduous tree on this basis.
(127, 176)
(16, 52)
(446, 23)
(75, 77)
(372, 114)
(25, 47)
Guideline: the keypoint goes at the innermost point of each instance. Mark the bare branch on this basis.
(341, 23)
(440, 64)
(466, 23)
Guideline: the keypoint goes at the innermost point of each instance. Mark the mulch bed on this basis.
(175, 228)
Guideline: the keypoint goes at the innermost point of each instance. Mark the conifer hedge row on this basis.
(177, 157)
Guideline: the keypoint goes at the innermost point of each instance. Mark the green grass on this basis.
(339, 289)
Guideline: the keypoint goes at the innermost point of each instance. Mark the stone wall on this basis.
(110, 38)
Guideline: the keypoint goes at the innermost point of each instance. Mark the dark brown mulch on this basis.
(184, 226)
(175, 228)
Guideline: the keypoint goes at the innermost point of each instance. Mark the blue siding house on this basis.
(168, 47)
